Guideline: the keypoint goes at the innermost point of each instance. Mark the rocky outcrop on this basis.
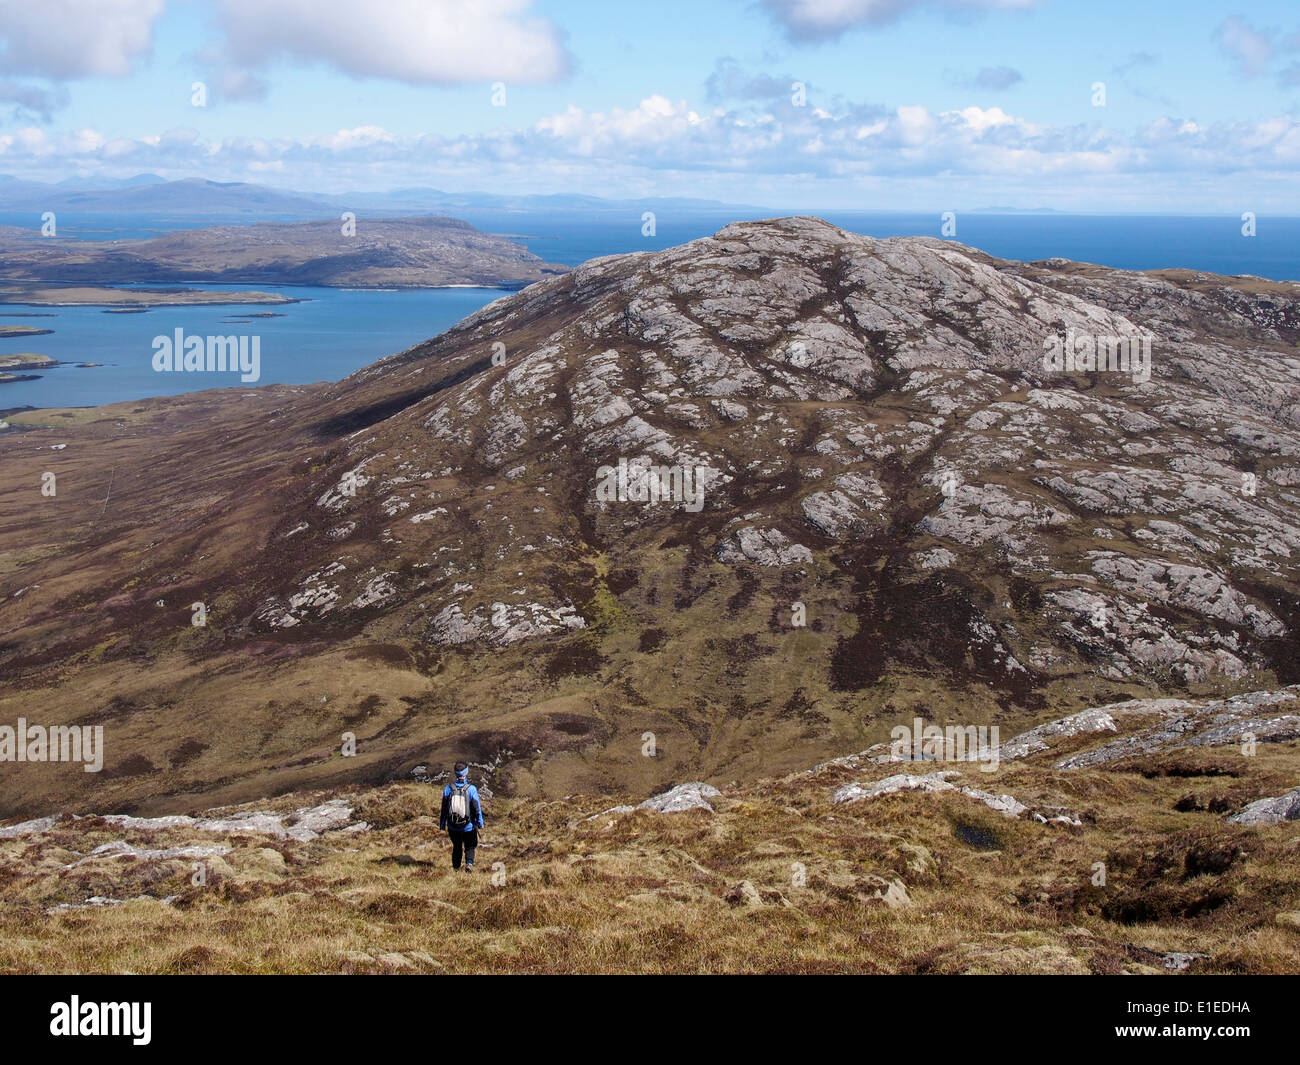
(939, 781)
(503, 624)
(694, 795)
(767, 547)
(304, 824)
(1270, 811)
(1096, 719)
(1256, 717)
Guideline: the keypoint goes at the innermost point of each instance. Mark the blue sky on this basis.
(909, 104)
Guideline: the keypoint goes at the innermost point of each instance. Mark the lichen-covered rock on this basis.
(1261, 717)
(767, 547)
(1270, 811)
(694, 795)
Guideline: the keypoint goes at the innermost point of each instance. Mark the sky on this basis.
(1140, 105)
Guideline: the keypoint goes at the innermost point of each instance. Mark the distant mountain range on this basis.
(208, 200)
(151, 194)
(146, 195)
(1014, 210)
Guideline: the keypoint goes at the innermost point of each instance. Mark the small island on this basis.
(23, 360)
(123, 300)
(22, 330)
(26, 360)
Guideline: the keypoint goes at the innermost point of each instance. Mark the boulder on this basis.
(694, 795)
(1270, 811)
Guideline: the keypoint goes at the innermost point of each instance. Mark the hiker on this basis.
(462, 817)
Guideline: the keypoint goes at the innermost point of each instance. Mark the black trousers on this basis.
(467, 840)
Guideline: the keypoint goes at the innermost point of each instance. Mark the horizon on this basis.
(921, 104)
(697, 204)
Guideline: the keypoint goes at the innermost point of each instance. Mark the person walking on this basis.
(462, 817)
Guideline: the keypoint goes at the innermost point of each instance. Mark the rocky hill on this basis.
(881, 505)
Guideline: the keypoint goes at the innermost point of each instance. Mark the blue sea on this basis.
(1129, 242)
(332, 332)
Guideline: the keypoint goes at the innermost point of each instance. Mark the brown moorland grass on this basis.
(904, 883)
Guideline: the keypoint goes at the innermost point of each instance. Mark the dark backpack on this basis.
(459, 814)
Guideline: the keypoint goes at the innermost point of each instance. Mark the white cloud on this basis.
(1249, 49)
(85, 141)
(991, 79)
(825, 19)
(654, 119)
(349, 139)
(730, 81)
(980, 119)
(75, 38)
(31, 101)
(418, 41)
(915, 124)
(231, 83)
(661, 144)
(29, 142)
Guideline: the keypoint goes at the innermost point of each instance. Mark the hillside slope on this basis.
(904, 515)
(1136, 838)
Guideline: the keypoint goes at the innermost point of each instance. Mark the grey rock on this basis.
(1178, 961)
(899, 782)
(1192, 724)
(892, 892)
(744, 894)
(28, 828)
(1096, 719)
(694, 795)
(1270, 811)
(940, 782)
(119, 849)
(767, 547)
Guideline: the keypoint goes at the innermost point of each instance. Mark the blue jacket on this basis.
(475, 809)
